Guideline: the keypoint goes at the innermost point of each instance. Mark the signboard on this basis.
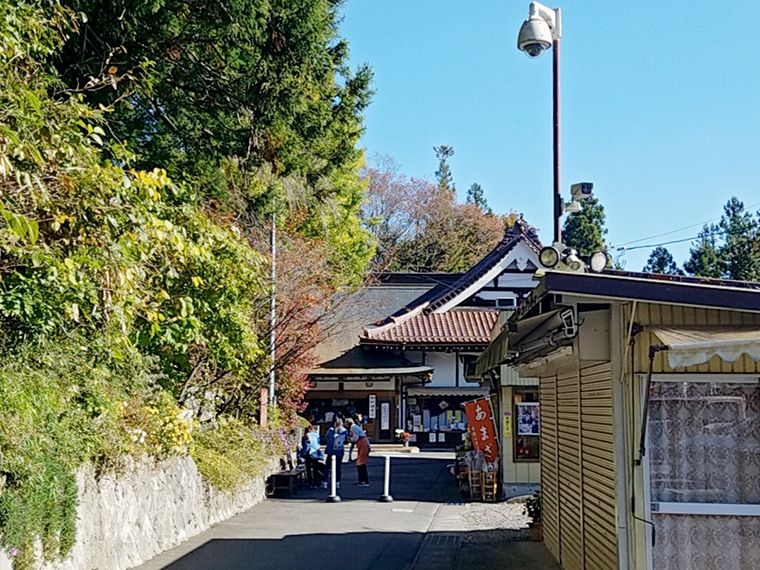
(528, 418)
(481, 428)
(372, 406)
(385, 415)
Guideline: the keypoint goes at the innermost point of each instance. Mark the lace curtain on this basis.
(704, 447)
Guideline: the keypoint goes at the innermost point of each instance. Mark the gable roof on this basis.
(519, 233)
(462, 328)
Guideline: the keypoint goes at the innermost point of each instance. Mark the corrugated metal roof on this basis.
(457, 327)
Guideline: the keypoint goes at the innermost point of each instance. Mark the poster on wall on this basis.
(481, 428)
(372, 406)
(528, 418)
(385, 415)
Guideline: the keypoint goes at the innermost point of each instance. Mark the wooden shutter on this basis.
(549, 481)
(598, 461)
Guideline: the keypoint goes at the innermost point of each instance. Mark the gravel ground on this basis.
(503, 521)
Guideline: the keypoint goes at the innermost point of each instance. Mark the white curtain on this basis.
(705, 448)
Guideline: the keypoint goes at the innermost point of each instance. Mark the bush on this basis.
(232, 453)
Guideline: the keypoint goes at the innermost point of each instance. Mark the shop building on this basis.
(649, 388)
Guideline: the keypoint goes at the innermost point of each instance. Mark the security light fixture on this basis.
(549, 257)
(597, 261)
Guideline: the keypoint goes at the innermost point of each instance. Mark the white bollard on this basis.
(386, 497)
(333, 497)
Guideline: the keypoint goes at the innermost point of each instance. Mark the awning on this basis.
(691, 346)
(448, 392)
(362, 363)
(495, 354)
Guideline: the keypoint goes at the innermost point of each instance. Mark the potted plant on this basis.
(533, 510)
(403, 436)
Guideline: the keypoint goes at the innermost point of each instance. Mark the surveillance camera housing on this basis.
(582, 190)
(537, 33)
(535, 37)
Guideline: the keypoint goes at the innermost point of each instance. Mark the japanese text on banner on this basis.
(481, 428)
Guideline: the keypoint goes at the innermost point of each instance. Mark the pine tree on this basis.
(730, 249)
(476, 197)
(704, 259)
(661, 261)
(585, 230)
(741, 251)
(443, 174)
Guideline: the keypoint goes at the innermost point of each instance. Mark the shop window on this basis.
(527, 425)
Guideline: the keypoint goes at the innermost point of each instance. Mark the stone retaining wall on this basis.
(126, 518)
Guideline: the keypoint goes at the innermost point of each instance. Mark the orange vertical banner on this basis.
(480, 424)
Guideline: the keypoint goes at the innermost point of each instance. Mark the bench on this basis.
(288, 480)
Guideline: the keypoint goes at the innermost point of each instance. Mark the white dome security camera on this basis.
(535, 37)
(539, 31)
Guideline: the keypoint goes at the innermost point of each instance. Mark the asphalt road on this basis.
(421, 529)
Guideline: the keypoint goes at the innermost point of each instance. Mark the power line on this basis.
(622, 246)
(624, 249)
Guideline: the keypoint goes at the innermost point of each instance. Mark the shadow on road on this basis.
(477, 550)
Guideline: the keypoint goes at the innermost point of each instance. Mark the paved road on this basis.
(421, 530)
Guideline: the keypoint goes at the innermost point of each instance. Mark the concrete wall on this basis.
(124, 519)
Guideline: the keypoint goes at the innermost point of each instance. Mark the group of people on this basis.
(341, 431)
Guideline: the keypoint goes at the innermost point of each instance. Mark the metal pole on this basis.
(386, 497)
(333, 498)
(272, 305)
(557, 187)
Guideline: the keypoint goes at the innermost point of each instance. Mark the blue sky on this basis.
(659, 106)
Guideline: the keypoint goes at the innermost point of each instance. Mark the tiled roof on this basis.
(457, 327)
(521, 231)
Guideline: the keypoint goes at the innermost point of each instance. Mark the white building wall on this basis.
(444, 365)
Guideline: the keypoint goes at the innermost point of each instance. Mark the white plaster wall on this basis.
(124, 519)
(444, 374)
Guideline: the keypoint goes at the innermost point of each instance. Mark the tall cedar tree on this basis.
(661, 261)
(266, 82)
(585, 230)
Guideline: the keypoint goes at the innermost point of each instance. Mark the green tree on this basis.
(661, 261)
(443, 174)
(730, 249)
(585, 231)
(704, 257)
(267, 82)
(741, 248)
(476, 197)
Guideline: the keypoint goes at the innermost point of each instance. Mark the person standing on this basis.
(311, 454)
(359, 438)
(336, 445)
(358, 418)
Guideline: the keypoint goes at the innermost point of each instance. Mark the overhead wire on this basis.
(624, 246)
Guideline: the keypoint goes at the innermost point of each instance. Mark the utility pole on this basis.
(272, 303)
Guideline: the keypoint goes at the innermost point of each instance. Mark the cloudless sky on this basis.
(660, 106)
